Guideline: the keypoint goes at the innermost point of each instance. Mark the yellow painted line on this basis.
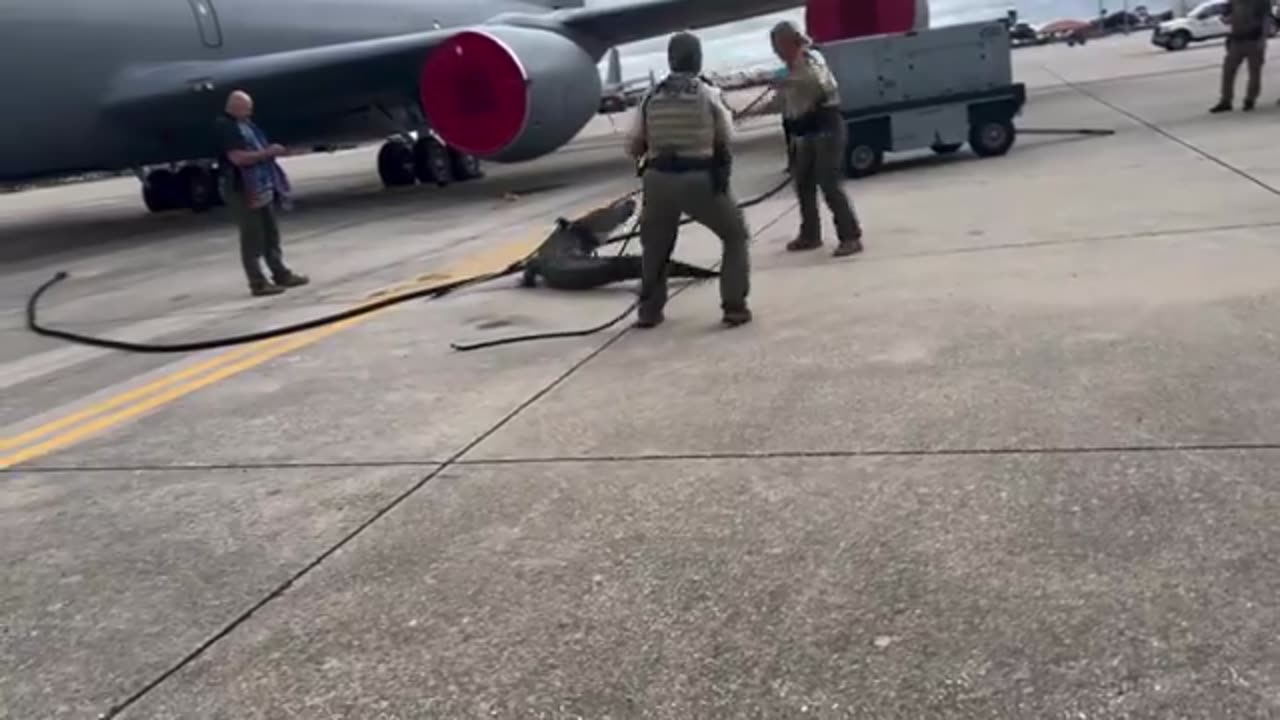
(14, 441)
(155, 401)
(72, 429)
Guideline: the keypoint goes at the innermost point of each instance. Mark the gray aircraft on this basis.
(102, 85)
(618, 94)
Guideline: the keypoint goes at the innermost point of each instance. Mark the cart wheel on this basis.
(946, 148)
(862, 160)
(990, 138)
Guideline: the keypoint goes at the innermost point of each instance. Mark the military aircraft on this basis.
(107, 85)
(617, 94)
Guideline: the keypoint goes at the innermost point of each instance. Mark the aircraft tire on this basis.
(160, 191)
(431, 162)
(197, 187)
(396, 165)
(465, 166)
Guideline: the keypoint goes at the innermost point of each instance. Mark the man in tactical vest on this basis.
(810, 104)
(681, 138)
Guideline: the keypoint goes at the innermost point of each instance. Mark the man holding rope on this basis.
(681, 136)
(810, 103)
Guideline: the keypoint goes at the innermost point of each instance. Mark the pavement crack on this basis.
(453, 460)
(297, 576)
(230, 466)
(1164, 133)
(1202, 448)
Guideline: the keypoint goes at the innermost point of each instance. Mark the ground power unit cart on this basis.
(936, 89)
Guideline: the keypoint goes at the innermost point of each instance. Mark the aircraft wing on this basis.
(623, 23)
(356, 74)
(368, 70)
(322, 84)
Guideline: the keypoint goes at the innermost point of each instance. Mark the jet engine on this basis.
(509, 93)
(831, 20)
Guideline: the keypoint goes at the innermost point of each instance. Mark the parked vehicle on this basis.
(1207, 21)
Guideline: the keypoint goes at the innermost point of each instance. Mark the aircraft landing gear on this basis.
(160, 191)
(431, 160)
(396, 164)
(199, 186)
(403, 162)
(193, 187)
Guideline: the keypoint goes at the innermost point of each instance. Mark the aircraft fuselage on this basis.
(64, 56)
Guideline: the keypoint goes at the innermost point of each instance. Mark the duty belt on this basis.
(717, 167)
(677, 164)
(815, 122)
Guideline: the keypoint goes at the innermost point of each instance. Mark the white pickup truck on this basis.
(1206, 21)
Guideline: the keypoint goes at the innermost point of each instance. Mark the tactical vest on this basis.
(809, 86)
(679, 120)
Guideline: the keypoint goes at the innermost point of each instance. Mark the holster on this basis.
(721, 169)
(823, 119)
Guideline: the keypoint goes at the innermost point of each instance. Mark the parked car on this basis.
(1207, 21)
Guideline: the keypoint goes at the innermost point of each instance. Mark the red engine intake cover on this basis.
(473, 88)
(830, 20)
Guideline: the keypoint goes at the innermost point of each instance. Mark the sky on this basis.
(745, 44)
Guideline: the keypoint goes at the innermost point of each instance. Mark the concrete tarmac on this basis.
(1017, 460)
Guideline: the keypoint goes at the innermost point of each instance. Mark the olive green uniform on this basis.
(682, 132)
(810, 100)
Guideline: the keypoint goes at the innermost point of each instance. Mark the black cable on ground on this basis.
(1066, 131)
(34, 325)
(1153, 127)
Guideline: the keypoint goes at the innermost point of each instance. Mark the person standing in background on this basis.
(253, 183)
(1250, 22)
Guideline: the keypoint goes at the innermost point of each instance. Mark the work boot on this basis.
(1248, 105)
(265, 289)
(1221, 107)
(852, 246)
(802, 243)
(292, 280)
(647, 320)
(736, 317)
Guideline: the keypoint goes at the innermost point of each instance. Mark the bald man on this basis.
(253, 184)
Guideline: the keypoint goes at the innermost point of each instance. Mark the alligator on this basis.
(568, 259)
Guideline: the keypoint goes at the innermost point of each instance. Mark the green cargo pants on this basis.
(1252, 53)
(818, 165)
(667, 195)
(259, 238)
